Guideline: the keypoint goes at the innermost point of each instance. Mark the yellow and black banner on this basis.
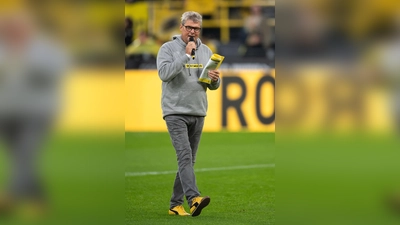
(244, 101)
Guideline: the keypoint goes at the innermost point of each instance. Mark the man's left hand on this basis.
(213, 75)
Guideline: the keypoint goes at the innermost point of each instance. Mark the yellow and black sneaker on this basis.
(198, 203)
(178, 210)
(32, 210)
(7, 205)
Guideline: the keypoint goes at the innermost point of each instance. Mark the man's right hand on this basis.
(190, 45)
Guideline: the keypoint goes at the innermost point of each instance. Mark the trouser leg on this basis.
(181, 132)
(195, 130)
(177, 193)
(23, 138)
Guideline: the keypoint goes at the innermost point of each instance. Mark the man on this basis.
(32, 70)
(184, 105)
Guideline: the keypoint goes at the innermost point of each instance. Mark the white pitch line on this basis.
(137, 174)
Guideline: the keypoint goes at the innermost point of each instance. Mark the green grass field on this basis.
(83, 178)
(239, 195)
(321, 180)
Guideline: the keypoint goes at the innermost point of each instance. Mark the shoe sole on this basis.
(204, 202)
(176, 213)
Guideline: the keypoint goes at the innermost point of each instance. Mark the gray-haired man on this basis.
(184, 105)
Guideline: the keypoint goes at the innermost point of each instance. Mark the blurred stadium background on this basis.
(337, 112)
(242, 30)
(79, 160)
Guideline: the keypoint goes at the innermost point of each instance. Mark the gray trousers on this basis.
(23, 138)
(185, 132)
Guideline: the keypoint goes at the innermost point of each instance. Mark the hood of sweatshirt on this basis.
(178, 39)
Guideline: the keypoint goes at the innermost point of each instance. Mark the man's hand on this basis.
(213, 75)
(191, 45)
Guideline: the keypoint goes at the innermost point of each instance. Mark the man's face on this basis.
(190, 29)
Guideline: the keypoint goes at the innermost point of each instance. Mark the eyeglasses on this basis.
(195, 29)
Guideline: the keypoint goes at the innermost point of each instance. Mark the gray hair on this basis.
(191, 15)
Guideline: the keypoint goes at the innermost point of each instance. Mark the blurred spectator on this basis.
(31, 71)
(383, 61)
(311, 33)
(144, 49)
(128, 31)
(257, 35)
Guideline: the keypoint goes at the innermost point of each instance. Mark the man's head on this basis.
(190, 25)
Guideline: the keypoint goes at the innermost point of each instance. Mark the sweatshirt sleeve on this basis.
(214, 85)
(167, 66)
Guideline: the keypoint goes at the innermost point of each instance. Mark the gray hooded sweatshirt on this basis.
(182, 93)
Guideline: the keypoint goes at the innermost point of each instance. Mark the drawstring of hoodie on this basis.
(198, 69)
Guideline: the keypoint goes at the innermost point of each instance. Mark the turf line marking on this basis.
(137, 174)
